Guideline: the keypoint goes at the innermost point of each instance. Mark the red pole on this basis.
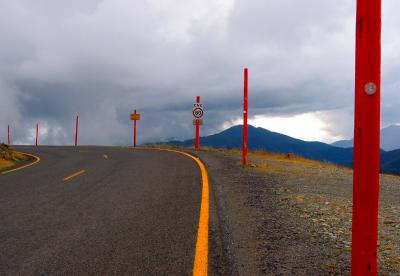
(197, 143)
(366, 138)
(134, 131)
(9, 136)
(245, 114)
(37, 134)
(76, 130)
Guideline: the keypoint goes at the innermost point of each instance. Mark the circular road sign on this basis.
(198, 112)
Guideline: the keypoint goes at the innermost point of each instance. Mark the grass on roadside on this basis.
(277, 157)
(280, 160)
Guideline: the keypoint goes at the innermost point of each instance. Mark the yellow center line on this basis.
(200, 267)
(37, 160)
(73, 175)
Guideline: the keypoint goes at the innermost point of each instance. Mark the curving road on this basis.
(99, 210)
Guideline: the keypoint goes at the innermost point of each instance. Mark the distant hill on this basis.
(390, 161)
(343, 143)
(390, 139)
(263, 139)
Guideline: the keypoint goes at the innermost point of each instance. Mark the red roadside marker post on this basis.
(366, 138)
(245, 115)
(37, 134)
(134, 130)
(76, 129)
(134, 117)
(9, 135)
(198, 112)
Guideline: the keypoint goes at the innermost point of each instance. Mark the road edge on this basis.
(200, 267)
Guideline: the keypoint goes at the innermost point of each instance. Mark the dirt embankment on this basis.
(284, 215)
(9, 158)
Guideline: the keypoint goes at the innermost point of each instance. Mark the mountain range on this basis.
(390, 139)
(263, 139)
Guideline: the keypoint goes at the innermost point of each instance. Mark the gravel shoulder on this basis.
(288, 216)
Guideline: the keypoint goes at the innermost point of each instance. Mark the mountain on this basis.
(390, 139)
(390, 161)
(343, 143)
(263, 139)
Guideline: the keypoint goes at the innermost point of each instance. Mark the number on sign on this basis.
(198, 113)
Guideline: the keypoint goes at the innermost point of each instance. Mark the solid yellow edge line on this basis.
(200, 267)
(73, 175)
(37, 159)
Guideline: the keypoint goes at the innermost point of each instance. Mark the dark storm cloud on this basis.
(102, 59)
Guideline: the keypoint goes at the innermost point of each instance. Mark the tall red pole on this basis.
(37, 134)
(76, 130)
(134, 130)
(245, 114)
(197, 143)
(366, 138)
(9, 135)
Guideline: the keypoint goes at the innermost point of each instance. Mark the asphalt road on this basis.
(132, 212)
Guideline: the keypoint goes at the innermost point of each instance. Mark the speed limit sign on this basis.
(198, 110)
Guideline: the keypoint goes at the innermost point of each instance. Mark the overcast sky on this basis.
(102, 59)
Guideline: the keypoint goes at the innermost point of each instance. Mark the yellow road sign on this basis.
(135, 117)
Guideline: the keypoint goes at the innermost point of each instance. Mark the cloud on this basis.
(102, 59)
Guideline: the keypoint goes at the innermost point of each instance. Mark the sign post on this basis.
(366, 138)
(37, 134)
(198, 112)
(134, 117)
(9, 136)
(245, 114)
(134, 131)
(76, 129)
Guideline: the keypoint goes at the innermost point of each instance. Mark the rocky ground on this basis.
(287, 216)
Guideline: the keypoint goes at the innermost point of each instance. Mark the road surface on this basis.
(100, 211)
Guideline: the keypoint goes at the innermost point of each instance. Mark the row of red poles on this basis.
(76, 132)
(366, 136)
(37, 133)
